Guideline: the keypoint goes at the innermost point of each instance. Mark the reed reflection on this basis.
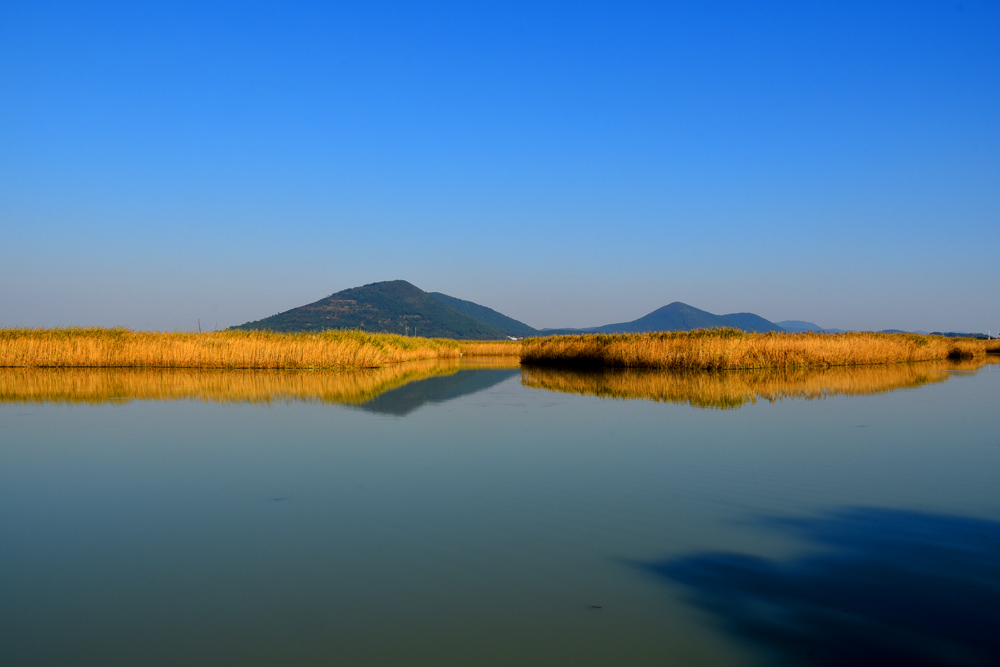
(728, 390)
(115, 385)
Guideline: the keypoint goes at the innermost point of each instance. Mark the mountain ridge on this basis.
(397, 306)
(679, 316)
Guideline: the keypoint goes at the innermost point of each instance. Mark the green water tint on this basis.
(486, 522)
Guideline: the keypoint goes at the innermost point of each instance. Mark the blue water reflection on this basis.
(888, 588)
(410, 397)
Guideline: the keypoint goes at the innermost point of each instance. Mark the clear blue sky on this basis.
(568, 164)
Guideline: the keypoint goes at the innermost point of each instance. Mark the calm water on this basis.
(487, 516)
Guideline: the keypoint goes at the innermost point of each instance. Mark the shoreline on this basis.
(703, 349)
(732, 349)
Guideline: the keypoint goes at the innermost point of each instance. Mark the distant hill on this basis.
(486, 315)
(798, 326)
(679, 316)
(394, 306)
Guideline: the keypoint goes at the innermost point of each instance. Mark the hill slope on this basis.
(487, 315)
(394, 306)
(750, 322)
(799, 326)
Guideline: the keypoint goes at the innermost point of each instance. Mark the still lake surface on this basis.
(477, 514)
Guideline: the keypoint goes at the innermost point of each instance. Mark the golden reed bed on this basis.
(703, 350)
(490, 348)
(732, 389)
(721, 349)
(122, 348)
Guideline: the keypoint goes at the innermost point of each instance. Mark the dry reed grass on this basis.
(123, 348)
(490, 348)
(117, 385)
(724, 349)
(732, 389)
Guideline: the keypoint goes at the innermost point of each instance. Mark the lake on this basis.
(476, 513)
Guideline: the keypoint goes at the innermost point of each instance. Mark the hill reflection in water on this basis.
(886, 587)
(732, 389)
(438, 389)
(365, 388)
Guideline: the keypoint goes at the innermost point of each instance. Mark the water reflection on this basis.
(399, 389)
(732, 389)
(888, 588)
(365, 388)
(405, 399)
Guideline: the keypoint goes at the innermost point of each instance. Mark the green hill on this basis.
(394, 306)
(750, 322)
(679, 316)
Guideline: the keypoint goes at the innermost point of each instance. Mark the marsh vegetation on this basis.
(731, 349)
(706, 349)
(123, 348)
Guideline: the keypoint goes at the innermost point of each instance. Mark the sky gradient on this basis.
(569, 165)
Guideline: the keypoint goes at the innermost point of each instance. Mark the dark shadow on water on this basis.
(404, 400)
(886, 588)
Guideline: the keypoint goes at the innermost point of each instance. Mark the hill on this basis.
(679, 316)
(799, 326)
(394, 306)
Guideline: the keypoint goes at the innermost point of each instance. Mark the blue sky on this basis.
(568, 164)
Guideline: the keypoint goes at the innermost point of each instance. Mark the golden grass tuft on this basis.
(123, 348)
(726, 349)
